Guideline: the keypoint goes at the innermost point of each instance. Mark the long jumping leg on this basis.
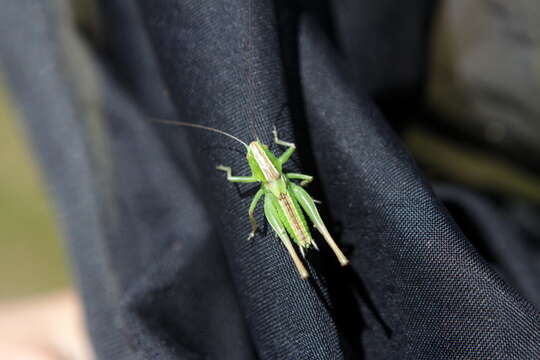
(306, 202)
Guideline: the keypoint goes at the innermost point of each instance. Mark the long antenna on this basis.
(183, 123)
(250, 82)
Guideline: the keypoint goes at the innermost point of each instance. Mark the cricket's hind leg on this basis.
(306, 202)
(271, 212)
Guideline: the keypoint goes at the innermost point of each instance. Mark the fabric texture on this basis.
(158, 237)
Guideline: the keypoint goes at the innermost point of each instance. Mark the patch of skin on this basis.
(49, 327)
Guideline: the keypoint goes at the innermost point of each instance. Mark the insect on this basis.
(285, 202)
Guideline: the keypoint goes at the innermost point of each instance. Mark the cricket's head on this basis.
(257, 146)
(264, 165)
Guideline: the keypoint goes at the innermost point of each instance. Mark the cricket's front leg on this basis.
(251, 212)
(291, 147)
(271, 205)
(236, 179)
(306, 202)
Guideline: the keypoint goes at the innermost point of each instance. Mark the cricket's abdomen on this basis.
(295, 220)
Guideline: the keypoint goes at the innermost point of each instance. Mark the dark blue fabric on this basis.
(158, 236)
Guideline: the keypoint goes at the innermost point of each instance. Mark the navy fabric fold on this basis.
(431, 294)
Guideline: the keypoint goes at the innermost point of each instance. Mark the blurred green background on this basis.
(32, 258)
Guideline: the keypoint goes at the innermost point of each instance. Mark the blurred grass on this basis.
(445, 159)
(31, 255)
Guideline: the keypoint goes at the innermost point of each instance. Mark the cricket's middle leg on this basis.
(306, 179)
(251, 212)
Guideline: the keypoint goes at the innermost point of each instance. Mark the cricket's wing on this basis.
(271, 211)
(294, 220)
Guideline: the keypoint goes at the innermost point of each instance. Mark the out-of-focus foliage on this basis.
(31, 255)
